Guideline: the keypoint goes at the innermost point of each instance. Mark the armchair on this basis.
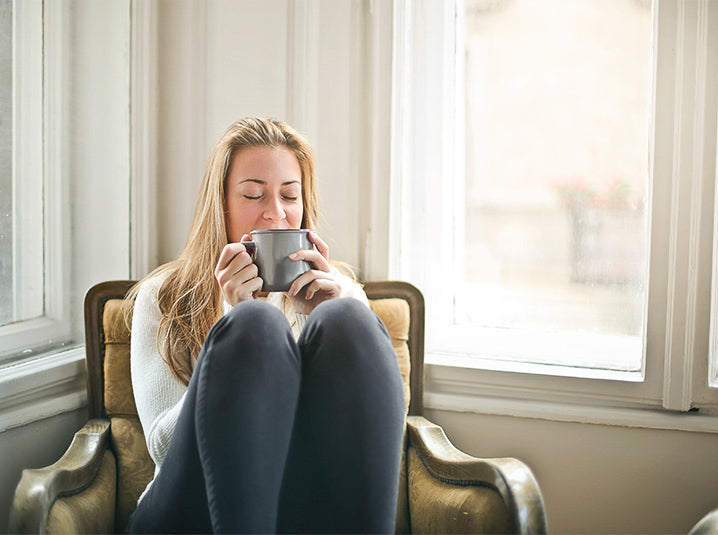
(706, 525)
(95, 485)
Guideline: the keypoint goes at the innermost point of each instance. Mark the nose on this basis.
(274, 211)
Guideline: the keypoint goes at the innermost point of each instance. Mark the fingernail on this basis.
(293, 256)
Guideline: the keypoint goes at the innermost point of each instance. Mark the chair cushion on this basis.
(119, 399)
(394, 313)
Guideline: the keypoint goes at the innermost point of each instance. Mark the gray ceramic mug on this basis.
(270, 250)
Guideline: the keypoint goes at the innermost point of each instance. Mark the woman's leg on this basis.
(224, 467)
(343, 469)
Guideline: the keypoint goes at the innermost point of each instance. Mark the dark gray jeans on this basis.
(283, 436)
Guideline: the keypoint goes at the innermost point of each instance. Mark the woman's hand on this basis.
(236, 274)
(319, 283)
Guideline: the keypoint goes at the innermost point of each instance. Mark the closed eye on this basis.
(252, 198)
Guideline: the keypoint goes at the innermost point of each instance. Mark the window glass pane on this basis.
(557, 132)
(6, 214)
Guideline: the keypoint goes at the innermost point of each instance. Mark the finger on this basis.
(239, 262)
(254, 285)
(306, 278)
(330, 287)
(320, 244)
(229, 252)
(231, 278)
(247, 290)
(246, 272)
(242, 286)
(315, 258)
(300, 282)
(224, 258)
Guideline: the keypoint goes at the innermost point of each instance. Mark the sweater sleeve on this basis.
(158, 393)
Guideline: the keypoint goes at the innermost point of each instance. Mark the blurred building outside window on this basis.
(557, 126)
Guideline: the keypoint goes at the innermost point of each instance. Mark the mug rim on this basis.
(279, 230)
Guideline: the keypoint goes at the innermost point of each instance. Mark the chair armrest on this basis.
(74, 471)
(707, 525)
(511, 478)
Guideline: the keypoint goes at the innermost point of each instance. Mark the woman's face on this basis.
(263, 191)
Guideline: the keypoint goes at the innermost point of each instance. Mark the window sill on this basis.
(42, 387)
(457, 389)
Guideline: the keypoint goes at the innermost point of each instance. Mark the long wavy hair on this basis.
(190, 299)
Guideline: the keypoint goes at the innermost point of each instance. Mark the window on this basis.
(32, 303)
(555, 142)
(65, 189)
(554, 169)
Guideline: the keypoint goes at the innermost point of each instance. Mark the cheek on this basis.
(239, 220)
(294, 216)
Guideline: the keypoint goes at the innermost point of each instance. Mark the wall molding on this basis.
(639, 418)
(303, 66)
(459, 389)
(43, 387)
(692, 137)
(143, 137)
(376, 194)
(713, 341)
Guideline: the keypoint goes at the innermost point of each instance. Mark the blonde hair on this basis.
(189, 298)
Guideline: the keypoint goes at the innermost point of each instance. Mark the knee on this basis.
(346, 322)
(347, 316)
(345, 338)
(255, 317)
(250, 329)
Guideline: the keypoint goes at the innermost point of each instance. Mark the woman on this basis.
(262, 413)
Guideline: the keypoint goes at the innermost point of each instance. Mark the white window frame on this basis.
(683, 163)
(39, 196)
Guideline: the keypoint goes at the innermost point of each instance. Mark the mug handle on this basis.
(251, 247)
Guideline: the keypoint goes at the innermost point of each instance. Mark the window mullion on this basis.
(27, 160)
(56, 185)
(690, 216)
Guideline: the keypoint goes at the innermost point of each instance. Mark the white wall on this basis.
(222, 60)
(96, 145)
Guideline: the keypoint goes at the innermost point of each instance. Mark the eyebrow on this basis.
(264, 182)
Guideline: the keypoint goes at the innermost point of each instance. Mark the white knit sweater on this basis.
(158, 393)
